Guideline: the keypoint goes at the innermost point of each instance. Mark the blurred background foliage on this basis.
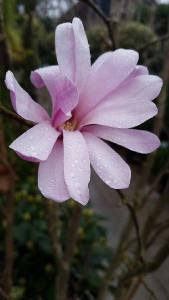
(26, 43)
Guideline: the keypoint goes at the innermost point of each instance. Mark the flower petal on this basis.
(45, 77)
(110, 167)
(139, 70)
(23, 103)
(51, 180)
(136, 140)
(143, 87)
(76, 165)
(63, 92)
(72, 50)
(121, 115)
(107, 73)
(37, 142)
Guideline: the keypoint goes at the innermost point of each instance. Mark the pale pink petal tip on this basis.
(109, 166)
(136, 140)
(36, 143)
(23, 104)
(72, 51)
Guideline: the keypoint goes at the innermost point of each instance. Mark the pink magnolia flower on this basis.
(89, 104)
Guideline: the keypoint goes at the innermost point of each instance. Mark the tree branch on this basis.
(104, 18)
(163, 38)
(152, 266)
(135, 223)
(53, 219)
(149, 290)
(11, 115)
(109, 273)
(69, 253)
(160, 229)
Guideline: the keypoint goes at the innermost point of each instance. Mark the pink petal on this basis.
(143, 87)
(72, 50)
(136, 140)
(107, 73)
(23, 103)
(121, 115)
(60, 117)
(37, 142)
(45, 77)
(76, 166)
(51, 180)
(31, 159)
(63, 92)
(110, 167)
(139, 70)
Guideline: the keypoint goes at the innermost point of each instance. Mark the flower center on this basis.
(70, 125)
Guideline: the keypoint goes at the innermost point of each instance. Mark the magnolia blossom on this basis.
(89, 104)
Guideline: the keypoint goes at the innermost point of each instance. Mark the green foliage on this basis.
(34, 274)
(93, 250)
(13, 33)
(135, 35)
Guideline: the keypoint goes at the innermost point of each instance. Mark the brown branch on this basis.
(149, 290)
(52, 211)
(135, 223)
(69, 253)
(155, 182)
(155, 214)
(11, 115)
(163, 38)
(115, 261)
(160, 229)
(149, 267)
(133, 289)
(104, 18)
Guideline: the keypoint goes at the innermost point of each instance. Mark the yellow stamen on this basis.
(69, 125)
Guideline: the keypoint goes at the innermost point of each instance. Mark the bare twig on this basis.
(52, 210)
(109, 273)
(133, 289)
(149, 290)
(163, 38)
(11, 115)
(135, 223)
(105, 19)
(69, 253)
(137, 229)
(155, 182)
(155, 214)
(149, 267)
(160, 229)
